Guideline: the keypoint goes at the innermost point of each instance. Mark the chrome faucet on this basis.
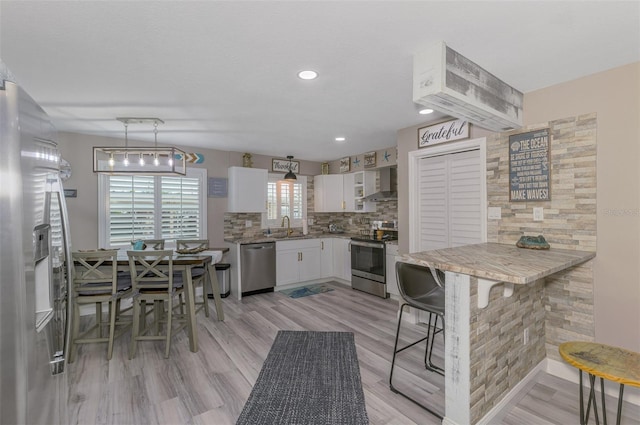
(289, 230)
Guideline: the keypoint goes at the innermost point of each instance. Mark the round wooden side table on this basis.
(606, 362)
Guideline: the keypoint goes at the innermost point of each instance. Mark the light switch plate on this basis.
(495, 213)
(538, 214)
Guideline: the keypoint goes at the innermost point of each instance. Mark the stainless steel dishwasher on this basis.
(258, 267)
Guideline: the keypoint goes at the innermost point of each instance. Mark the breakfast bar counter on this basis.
(488, 346)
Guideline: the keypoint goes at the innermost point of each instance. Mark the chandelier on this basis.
(139, 160)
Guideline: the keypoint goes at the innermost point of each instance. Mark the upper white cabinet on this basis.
(344, 192)
(247, 190)
(328, 193)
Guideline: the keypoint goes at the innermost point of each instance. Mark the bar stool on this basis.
(420, 288)
(606, 362)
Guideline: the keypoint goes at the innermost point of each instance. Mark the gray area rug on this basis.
(308, 378)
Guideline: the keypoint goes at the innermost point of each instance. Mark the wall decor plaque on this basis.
(282, 166)
(345, 164)
(530, 166)
(217, 187)
(369, 160)
(443, 132)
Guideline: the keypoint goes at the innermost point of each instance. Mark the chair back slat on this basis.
(192, 244)
(151, 244)
(147, 272)
(95, 271)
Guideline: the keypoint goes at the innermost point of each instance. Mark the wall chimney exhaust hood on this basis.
(446, 81)
(388, 186)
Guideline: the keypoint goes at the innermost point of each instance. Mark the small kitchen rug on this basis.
(308, 378)
(303, 291)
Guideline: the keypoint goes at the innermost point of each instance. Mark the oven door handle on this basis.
(368, 244)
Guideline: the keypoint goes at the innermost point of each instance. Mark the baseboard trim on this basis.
(569, 373)
(498, 408)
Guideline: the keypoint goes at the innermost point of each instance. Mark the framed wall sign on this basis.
(370, 160)
(443, 132)
(282, 166)
(345, 164)
(217, 187)
(530, 166)
(70, 193)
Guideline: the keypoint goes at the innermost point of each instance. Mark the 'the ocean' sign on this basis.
(530, 166)
(443, 132)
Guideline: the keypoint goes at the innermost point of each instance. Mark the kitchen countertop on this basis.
(501, 262)
(294, 237)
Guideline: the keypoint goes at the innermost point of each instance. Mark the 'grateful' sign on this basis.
(443, 132)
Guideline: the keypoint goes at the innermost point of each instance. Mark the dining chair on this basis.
(421, 288)
(96, 281)
(155, 281)
(195, 246)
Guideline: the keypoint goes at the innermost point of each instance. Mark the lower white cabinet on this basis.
(392, 256)
(297, 261)
(342, 258)
(326, 257)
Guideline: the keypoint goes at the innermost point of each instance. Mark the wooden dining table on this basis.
(186, 263)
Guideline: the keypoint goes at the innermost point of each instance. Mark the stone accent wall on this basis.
(558, 308)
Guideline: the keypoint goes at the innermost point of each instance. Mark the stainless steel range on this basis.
(368, 259)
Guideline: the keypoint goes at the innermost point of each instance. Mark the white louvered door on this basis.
(449, 200)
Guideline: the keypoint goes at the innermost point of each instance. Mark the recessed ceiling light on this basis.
(340, 139)
(308, 75)
(425, 111)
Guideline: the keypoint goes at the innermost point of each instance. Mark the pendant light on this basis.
(166, 161)
(290, 176)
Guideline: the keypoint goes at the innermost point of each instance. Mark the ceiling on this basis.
(222, 75)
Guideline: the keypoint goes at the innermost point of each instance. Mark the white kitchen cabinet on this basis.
(344, 192)
(247, 190)
(326, 257)
(342, 258)
(392, 256)
(297, 261)
(328, 193)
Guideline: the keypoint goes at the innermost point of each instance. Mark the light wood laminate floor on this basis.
(212, 385)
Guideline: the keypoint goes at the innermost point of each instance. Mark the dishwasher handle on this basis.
(255, 246)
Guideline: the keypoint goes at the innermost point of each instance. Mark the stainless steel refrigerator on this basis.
(34, 271)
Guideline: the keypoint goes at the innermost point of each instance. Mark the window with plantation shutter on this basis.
(285, 198)
(151, 207)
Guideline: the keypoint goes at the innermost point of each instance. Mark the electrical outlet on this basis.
(525, 336)
(350, 221)
(495, 213)
(248, 223)
(538, 214)
(310, 221)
